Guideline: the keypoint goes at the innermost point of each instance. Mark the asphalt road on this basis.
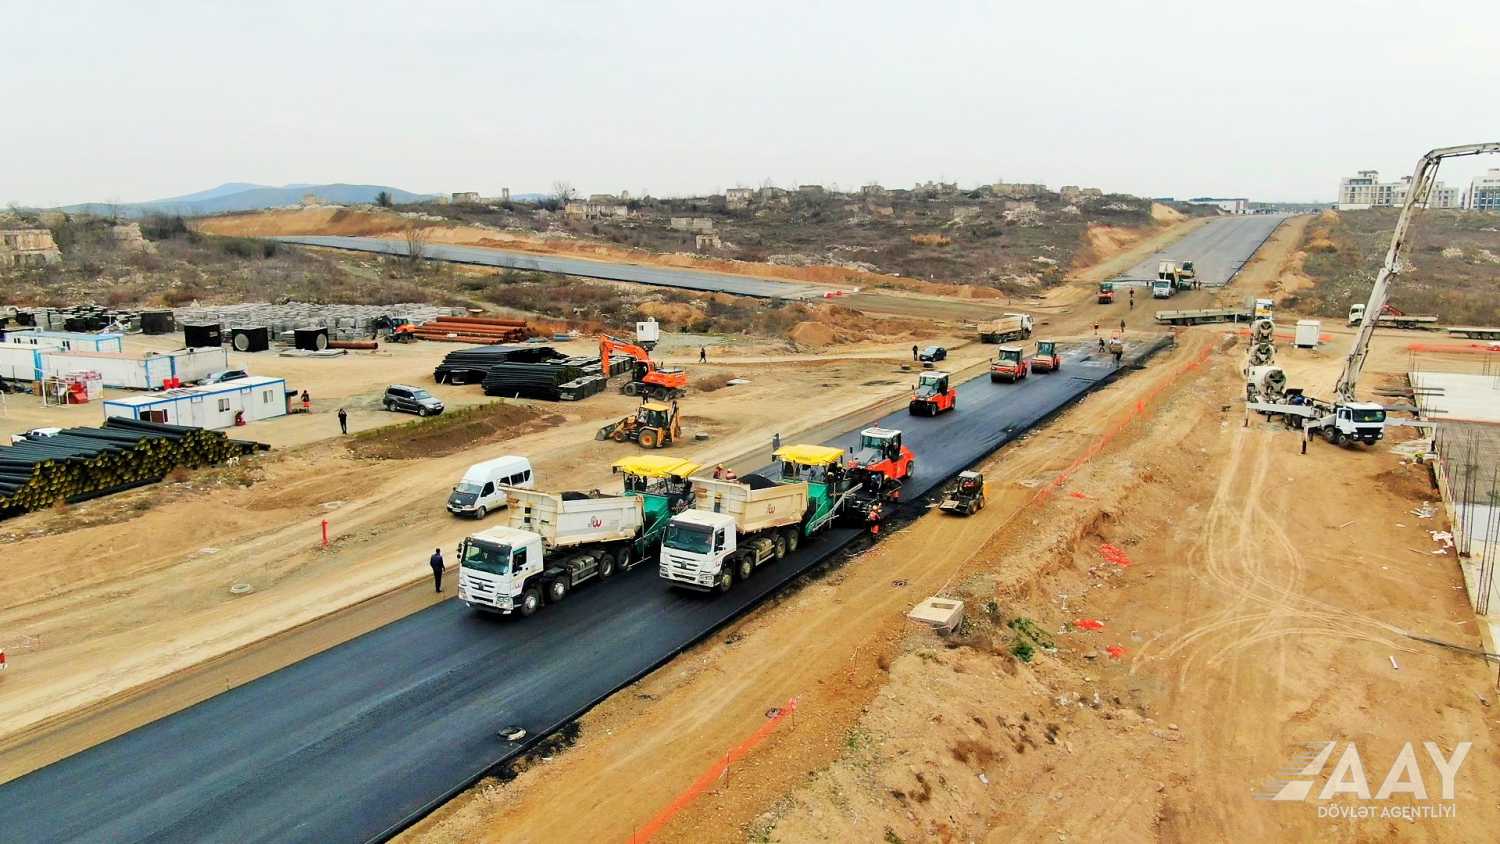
(360, 740)
(743, 285)
(1218, 249)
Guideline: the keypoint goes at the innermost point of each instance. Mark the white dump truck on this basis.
(1007, 328)
(732, 528)
(551, 543)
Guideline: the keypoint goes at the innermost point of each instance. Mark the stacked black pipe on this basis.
(82, 463)
(529, 380)
(469, 365)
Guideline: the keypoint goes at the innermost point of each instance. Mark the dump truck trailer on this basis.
(1007, 328)
(551, 544)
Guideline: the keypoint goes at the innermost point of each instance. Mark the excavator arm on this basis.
(1416, 197)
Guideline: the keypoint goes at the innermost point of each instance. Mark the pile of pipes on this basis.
(76, 464)
(469, 366)
(344, 322)
(569, 379)
(81, 318)
(485, 331)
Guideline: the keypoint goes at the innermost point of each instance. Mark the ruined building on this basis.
(27, 248)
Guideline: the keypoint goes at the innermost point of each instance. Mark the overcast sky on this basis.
(1270, 99)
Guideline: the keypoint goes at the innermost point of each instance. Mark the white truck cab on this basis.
(1359, 420)
(695, 548)
(1161, 289)
(499, 570)
(481, 490)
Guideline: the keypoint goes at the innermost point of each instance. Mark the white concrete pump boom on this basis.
(1416, 196)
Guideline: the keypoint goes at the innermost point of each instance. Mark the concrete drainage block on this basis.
(941, 614)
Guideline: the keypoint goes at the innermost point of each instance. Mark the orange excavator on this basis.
(647, 378)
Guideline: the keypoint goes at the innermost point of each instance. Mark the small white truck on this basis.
(1007, 328)
(1162, 289)
(552, 542)
(732, 528)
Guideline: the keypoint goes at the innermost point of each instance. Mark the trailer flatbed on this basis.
(1204, 315)
(1475, 332)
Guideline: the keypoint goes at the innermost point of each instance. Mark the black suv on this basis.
(411, 400)
(933, 354)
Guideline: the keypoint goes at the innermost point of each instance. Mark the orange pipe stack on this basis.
(484, 331)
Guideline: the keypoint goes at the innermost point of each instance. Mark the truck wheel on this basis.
(390, 406)
(745, 566)
(725, 581)
(531, 599)
(557, 590)
(480, 513)
(778, 546)
(793, 538)
(630, 388)
(618, 435)
(649, 438)
(607, 565)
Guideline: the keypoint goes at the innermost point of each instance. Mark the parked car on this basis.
(224, 375)
(933, 354)
(400, 397)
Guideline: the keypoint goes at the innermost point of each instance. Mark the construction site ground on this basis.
(1267, 602)
(77, 673)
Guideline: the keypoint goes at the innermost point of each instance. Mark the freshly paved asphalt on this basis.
(744, 285)
(356, 742)
(1218, 249)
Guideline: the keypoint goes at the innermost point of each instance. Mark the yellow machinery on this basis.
(654, 425)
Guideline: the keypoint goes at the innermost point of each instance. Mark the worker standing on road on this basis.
(914, 354)
(703, 354)
(1122, 327)
(343, 420)
(437, 568)
(1096, 331)
(775, 443)
(306, 402)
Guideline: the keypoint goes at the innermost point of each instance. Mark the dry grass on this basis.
(452, 432)
(931, 240)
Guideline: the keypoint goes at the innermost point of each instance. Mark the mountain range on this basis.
(245, 196)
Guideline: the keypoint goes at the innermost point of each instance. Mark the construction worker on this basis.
(1132, 298)
(1096, 331)
(1102, 347)
(775, 443)
(703, 354)
(306, 402)
(1117, 348)
(719, 472)
(437, 568)
(343, 421)
(1122, 326)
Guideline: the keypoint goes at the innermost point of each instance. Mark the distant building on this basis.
(1365, 190)
(598, 207)
(1229, 205)
(872, 190)
(27, 248)
(1017, 190)
(810, 190)
(738, 197)
(467, 197)
(691, 224)
(505, 194)
(1484, 192)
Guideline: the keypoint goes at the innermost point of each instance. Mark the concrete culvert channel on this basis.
(359, 741)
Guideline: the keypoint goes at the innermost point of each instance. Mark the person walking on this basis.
(914, 354)
(1122, 327)
(1101, 344)
(1096, 331)
(703, 354)
(343, 421)
(306, 402)
(437, 568)
(775, 444)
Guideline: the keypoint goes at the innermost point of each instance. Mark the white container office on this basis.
(214, 406)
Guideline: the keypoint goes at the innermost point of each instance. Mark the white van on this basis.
(479, 492)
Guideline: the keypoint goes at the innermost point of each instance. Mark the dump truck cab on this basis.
(500, 569)
(1106, 292)
(1009, 365)
(933, 394)
(1046, 358)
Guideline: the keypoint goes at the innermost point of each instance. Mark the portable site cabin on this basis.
(136, 372)
(213, 406)
(67, 341)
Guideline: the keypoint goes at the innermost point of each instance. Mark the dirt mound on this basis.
(1101, 243)
(450, 433)
(1166, 213)
(324, 221)
(812, 334)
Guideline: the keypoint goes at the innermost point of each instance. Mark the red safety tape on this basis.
(712, 775)
(1089, 624)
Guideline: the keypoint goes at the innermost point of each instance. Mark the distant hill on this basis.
(244, 196)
